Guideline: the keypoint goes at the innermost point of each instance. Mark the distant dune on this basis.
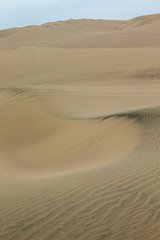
(79, 130)
(86, 33)
(142, 21)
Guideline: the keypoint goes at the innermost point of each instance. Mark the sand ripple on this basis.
(117, 201)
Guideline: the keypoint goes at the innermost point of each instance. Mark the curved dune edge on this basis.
(35, 143)
(82, 145)
(115, 202)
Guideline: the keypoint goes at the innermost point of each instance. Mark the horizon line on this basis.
(102, 19)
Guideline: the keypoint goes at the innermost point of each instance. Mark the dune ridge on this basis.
(86, 33)
(37, 139)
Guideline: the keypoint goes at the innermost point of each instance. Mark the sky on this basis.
(19, 13)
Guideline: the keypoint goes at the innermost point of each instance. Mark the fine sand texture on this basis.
(80, 130)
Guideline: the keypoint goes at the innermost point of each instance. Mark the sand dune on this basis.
(141, 31)
(89, 67)
(142, 21)
(38, 139)
(79, 130)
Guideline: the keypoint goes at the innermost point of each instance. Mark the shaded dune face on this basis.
(35, 141)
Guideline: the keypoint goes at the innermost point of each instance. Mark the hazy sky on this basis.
(17, 13)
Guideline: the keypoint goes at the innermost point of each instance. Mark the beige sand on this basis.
(79, 130)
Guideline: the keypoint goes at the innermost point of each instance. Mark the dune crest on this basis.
(86, 33)
(142, 21)
(35, 142)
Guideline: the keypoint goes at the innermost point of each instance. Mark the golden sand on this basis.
(79, 130)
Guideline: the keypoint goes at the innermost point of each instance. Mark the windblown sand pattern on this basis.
(80, 136)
